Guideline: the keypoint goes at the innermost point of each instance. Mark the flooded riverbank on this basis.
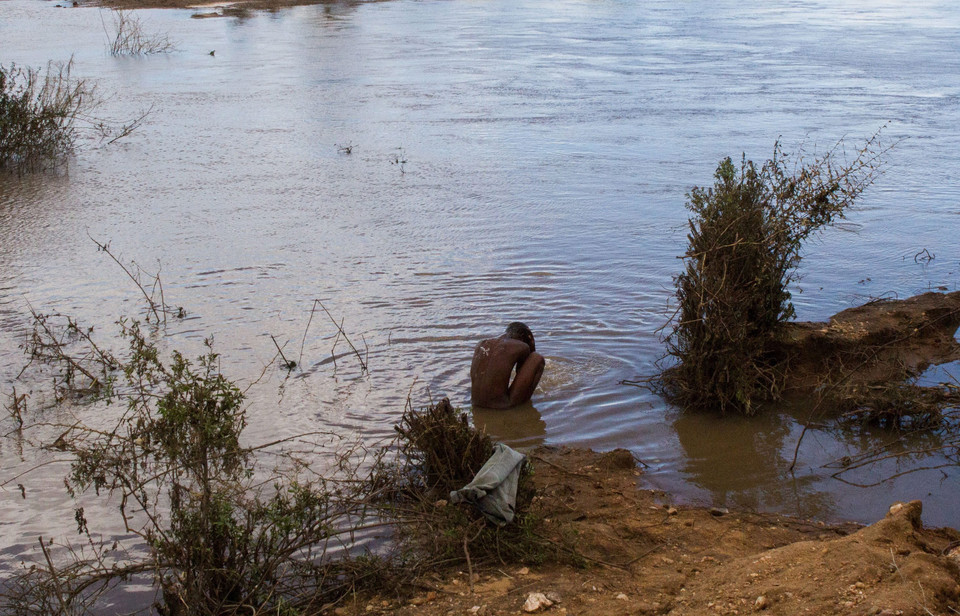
(548, 149)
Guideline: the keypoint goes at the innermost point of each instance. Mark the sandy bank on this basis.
(641, 555)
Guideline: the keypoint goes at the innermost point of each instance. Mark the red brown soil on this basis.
(640, 555)
(878, 342)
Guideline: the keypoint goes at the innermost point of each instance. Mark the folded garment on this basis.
(494, 489)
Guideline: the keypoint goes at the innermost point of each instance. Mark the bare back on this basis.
(494, 361)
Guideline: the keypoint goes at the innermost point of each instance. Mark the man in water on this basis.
(493, 363)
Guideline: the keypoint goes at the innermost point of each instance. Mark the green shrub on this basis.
(42, 114)
(38, 115)
(221, 532)
(745, 240)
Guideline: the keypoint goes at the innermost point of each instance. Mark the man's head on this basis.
(519, 331)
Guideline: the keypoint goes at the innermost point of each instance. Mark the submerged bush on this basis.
(38, 114)
(129, 38)
(745, 240)
(219, 532)
(42, 114)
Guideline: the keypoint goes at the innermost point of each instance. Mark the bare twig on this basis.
(289, 365)
(152, 305)
(340, 332)
(54, 577)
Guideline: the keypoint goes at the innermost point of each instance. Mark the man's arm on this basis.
(529, 371)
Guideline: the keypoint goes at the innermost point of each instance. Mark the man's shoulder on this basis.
(504, 345)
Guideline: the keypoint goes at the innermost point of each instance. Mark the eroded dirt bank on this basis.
(641, 555)
(878, 342)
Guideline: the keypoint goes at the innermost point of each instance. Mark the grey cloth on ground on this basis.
(494, 489)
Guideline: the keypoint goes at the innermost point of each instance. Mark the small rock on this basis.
(479, 610)
(535, 602)
(622, 597)
(717, 511)
(524, 571)
(672, 511)
(440, 503)
(761, 603)
(553, 596)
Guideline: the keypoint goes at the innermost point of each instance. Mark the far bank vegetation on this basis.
(127, 36)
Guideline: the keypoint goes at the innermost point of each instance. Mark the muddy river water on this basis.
(509, 160)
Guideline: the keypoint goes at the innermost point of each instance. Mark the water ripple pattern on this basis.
(508, 160)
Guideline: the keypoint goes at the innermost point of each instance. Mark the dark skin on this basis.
(494, 361)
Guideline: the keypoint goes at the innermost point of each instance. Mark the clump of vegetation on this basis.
(38, 114)
(42, 114)
(442, 452)
(745, 244)
(223, 534)
(442, 448)
(128, 37)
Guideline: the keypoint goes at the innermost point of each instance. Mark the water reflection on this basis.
(520, 426)
(741, 462)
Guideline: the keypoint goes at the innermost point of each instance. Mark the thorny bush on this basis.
(746, 235)
(441, 451)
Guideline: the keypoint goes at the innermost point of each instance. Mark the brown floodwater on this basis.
(548, 147)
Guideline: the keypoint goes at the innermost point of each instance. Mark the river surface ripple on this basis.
(548, 147)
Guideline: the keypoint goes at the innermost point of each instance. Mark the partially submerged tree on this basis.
(42, 113)
(128, 37)
(38, 114)
(215, 528)
(745, 243)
